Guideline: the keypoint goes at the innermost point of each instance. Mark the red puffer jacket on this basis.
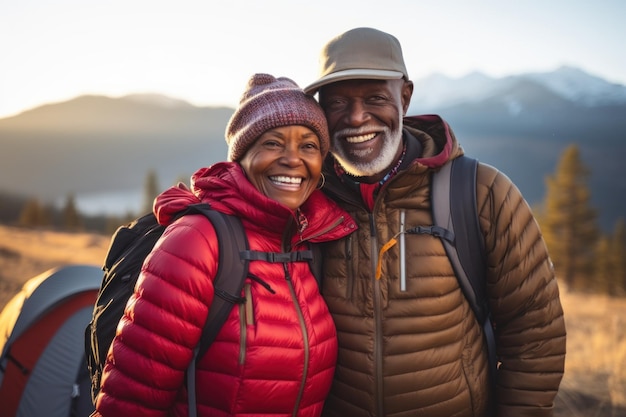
(275, 354)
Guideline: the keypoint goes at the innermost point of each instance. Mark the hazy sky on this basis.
(203, 51)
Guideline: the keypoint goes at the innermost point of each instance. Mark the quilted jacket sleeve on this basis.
(524, 298)
(162, 323)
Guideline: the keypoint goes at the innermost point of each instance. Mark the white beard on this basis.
(392, 140)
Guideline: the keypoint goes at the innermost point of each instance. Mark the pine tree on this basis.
(569, 222)
(151, 190)
(71, 217)
(618, 257)
(603, 267)
(34, 214)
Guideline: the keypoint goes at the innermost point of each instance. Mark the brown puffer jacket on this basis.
(419, 351)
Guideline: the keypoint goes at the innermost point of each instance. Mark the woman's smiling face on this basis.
(285, 164)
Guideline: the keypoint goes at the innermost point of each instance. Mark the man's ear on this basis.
(407, 92)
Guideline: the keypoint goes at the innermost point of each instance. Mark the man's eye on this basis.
(334, 104)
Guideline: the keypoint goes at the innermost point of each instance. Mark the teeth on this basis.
(360, 139)
(287, 180)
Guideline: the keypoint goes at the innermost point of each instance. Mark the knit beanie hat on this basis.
(270, 102)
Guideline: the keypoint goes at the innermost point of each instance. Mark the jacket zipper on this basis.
(378, 306)
(324, 231)
(305, 337)
(378, 360)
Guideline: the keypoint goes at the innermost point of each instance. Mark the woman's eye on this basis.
(271, 144)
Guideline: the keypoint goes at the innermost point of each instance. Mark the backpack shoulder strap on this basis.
(232, 241)
(455, 209)
(454, 202)
(231, 273)
(316, 264)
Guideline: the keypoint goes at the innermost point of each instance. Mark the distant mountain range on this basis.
(520, 124)
(568, 83)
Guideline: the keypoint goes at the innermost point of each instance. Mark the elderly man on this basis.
(415, 348)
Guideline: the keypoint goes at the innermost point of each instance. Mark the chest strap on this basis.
(277, 257)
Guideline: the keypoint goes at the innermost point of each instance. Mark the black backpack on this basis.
(129, 247)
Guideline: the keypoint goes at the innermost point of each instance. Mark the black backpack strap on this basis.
(455, 209)
(317, 263)
(313, 256)
(454, 186)
(231, 274)
(232, 243)
(278, 257)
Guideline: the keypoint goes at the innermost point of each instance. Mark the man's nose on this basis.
(356, 114)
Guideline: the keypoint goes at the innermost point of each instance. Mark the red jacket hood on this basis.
(437, 138)
(225, 187)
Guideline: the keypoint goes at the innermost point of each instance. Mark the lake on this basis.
(109, 203)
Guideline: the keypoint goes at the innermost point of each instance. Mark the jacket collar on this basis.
(429, 141)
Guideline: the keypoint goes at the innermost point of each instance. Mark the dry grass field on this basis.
(595, 379)
(595, 367)
(26, 253)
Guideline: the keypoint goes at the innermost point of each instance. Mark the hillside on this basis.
(595, 379)
(102, 144)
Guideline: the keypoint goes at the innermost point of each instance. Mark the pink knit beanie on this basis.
(270, 102)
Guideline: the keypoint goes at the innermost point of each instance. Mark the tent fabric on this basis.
(46, 393)
(42, 293)
(42, 367)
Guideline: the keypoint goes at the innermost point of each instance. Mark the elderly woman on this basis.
(276, 354)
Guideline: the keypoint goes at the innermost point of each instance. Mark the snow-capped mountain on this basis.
(571, 84)
(581, 87)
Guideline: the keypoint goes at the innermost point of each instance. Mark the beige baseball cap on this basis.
(361, 53)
